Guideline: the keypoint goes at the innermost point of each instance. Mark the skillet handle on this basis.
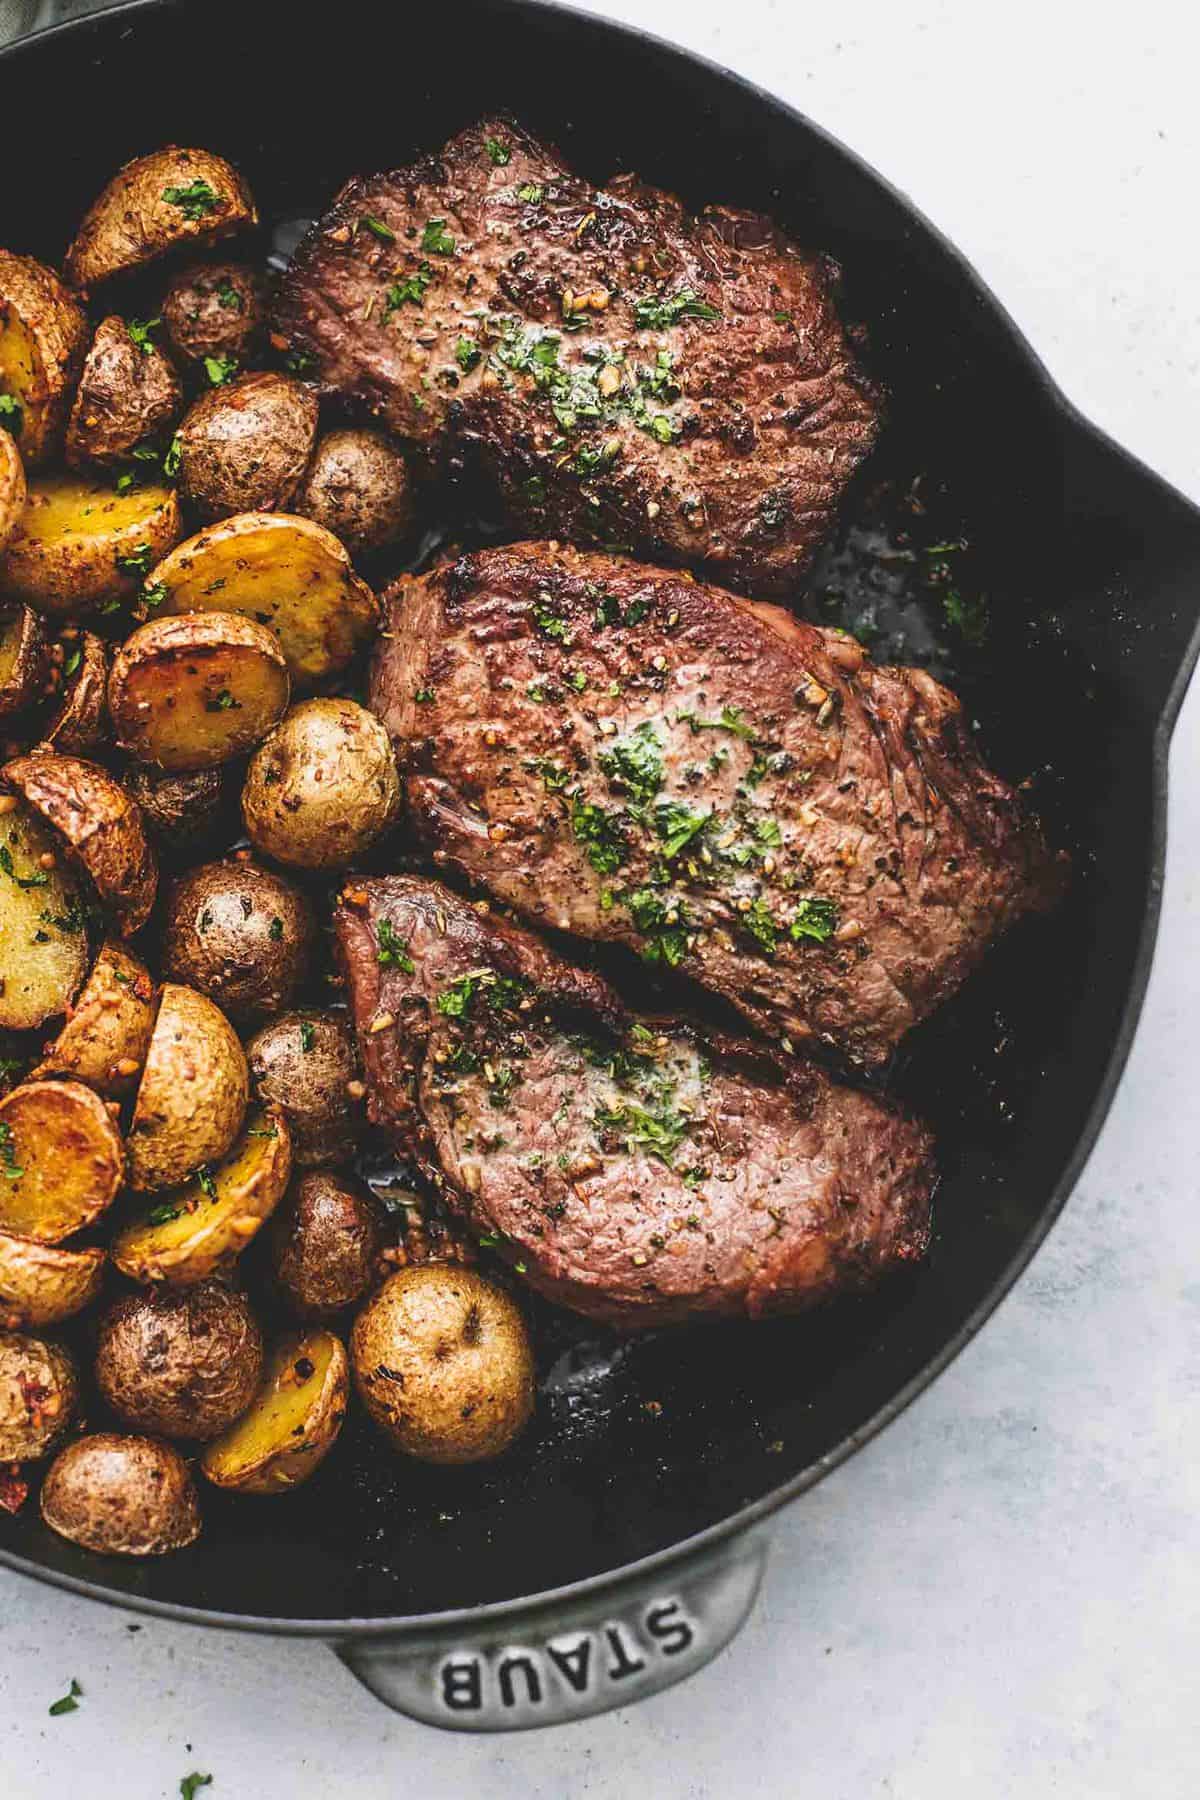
(570, 1660)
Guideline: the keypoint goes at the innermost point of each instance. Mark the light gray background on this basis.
(999, 1597)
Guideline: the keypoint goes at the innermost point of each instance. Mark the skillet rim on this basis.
(736, 1524)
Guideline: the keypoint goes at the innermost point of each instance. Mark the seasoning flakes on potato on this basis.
(80, 545)
(322, 787)
(291, 1424)
(325, 1244)
(245, 446)
(215, 310)
(180, 1364)
(107, 1033)
(241, 934)
(358, 487)
(80, 726)
(39, 1395)
(191, 692)
(43, 938)
(171, 199)
(43, 333)
(100, 825)
(128, 396)
(43, 1284)
(61, 1159)
(121, 1496)
(191, 1101)
(13, 490)
(305, 1063)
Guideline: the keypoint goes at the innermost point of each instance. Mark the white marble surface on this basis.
(1000, 1596)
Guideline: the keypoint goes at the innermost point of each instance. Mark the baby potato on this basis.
(43, 333)
(128, 393)
(322, 787)
(60, 1158)
(304, 1063)
(325, 1243)
(80, 545)
(121, 1496)
(81, 723)
(191, 692)
(171, 199)
(293, 1422)
(43, 943)
(42, 1284)
(201, 1229)
(244, 446)
(105, 1039)
(443, 1364)
(191, 1101)
(359, 488)
(215, 310)
(100, 825)
(180, 1363)
(181, 811)
(13, 491)
(39, 1393)
(241, 934)
(24, 657)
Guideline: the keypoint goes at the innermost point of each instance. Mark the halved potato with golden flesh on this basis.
(43, 940)
(81, 723)
(42, 1284)
(204, 1227)
(80, 545)
(43, 334)
(191, 1101)
(23, 656)
(293, 1422)
(107, 1034)
(288, 573)
(61, 1160)
(171, 199)
(101, 824)
(12, 484)
(192, 692)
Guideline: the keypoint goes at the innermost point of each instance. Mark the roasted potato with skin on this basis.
(80, 725)
(180, 810)
(358, 486)
(191, 692)
(39, 1394)
(42, 1284)
(43, 334)
(215, 309)
(172, 199)
(191, 1101)
(80, 545)
(60, 1158)
(180, 1363)
(43, 941)
(99, 823)
(443, 1364)
(202, 1229)
(12, 484)
(325, 1243)
(121, 1496)
(107, 1033)
(292, 1423)
(283, 571)
(245, 446)
(128, 394)
(322, 787)
(305, 1064)
(24, 657)
(241, 934)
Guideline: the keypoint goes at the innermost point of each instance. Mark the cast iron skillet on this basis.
(620, 1546)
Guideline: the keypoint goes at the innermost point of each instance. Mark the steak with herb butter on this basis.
(621, 371)
(624, 753)
(636, 1170)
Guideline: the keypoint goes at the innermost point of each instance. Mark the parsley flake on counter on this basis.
(69, 1702)
(189, 1784)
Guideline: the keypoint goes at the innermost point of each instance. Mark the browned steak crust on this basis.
(626, 754)
(623, 371)
(633, 1170)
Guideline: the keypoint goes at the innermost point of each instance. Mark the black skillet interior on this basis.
(1064, 624)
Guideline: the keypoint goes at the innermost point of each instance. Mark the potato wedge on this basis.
(61, 1160)
(42, 1284)
(106, 1037)
(293, 1422)
(202, 1229)
(39, 1395)
(244, 446)
(12, 484)
(80, 545)
(23, 656)
(171, 199)
(81, 722)
(101, 825)
(121, 1496)
(193, 691)
(43, 334)
(191, 1101)
(284, 571)
(128, 393)
(43, 943)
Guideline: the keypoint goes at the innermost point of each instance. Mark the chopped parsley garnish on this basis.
(173, 458)
(70, 923)
(12, 414)
(601, 836)
(967, 614)
(162, 1215)
(759, 921)
(206, 1182)
(137, 561)
(676, 825)
(814, 919)
(411, 291)
(383, 232)
(660, 920)
(498, 153)
(392, 952)
(659, 1133)
(550, 623)
(189, 1784)
(219, 370)
(436, 239)
(222, 702)
(228, 298)
(501, 992)
(467, 354)
(531, 192)
(425, 696)
(553, 773)
(9, 1167)
(308, 1036)
(41, 879)
(69, 1702)
(634, 764)
(153, 594)
(656, 312)
(275, 929)
(194, 200)
(768, 833)
(140, 333)
(72, 663)
(730, 720)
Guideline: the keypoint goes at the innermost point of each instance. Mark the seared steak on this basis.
(622, 371)
(631, 1169)
(621, 752)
